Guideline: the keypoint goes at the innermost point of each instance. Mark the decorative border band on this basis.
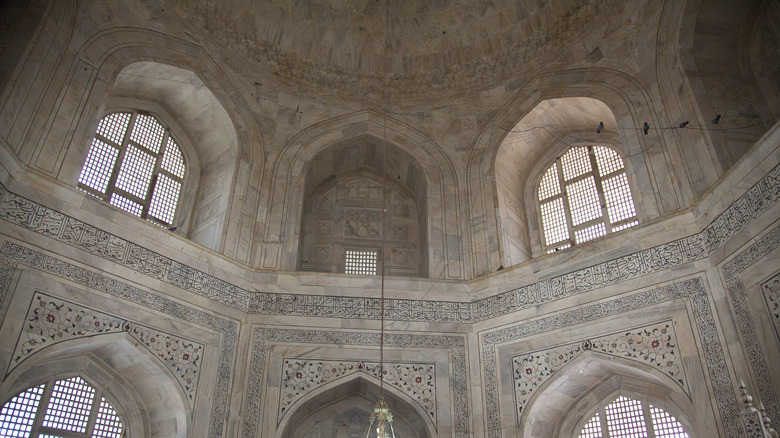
(745, 321)
(46, 221)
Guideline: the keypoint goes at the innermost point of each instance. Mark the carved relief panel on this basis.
(352, 212)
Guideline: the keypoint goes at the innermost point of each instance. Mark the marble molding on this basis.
(46, 221)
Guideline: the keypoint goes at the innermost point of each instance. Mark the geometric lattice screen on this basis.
(584, 195)
(134, 164)
(360, 262)
(629, 418)
(67, 407)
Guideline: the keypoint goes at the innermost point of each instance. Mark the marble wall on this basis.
(238, 325)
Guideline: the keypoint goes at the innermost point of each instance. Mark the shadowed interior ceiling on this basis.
(433, 46)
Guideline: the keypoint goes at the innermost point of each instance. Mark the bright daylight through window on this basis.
(631, 418)
(360, 262)
(135, 164)
(584, 195)
(53, 408)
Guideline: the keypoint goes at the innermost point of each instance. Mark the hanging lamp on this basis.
(381, 420)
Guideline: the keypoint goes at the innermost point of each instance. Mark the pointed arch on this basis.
(630, 104)
(93, 83)
(283, 219)
(141, 389)
(586, 383)
(699, 82)
(363, 386)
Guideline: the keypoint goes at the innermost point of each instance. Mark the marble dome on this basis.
(408, 48)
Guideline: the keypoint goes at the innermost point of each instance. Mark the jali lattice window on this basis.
(360, 262)
(68, 407)
(584, 195)
(135, 164)
(629, 418)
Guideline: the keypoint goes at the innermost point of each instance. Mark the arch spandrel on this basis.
(579, 388)
(406, 413)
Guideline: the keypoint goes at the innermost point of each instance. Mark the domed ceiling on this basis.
(425, 47)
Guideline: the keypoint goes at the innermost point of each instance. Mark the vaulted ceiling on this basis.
(425, 47)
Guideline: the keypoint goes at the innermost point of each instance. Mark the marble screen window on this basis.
(584, 195)
(360, 262)
(68, 407)
(134, 164)
(626, 417)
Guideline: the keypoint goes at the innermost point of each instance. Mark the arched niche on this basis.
(712, 59)
(547, 131)
(624, 104)
(332, 405)
(210, 144)
(283, 219)
(145, 395)
(203, 129)
(364, 194)
(765, 54)
(175, 79)
(577, 390)
(21, 18)
(717, 60)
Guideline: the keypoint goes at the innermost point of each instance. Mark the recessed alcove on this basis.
(210, 141)
(364, 195)
(551, 127)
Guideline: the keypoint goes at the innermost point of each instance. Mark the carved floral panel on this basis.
(771, 291)
(301, 376)
(654, 345)
(51, 320)
(363, 223)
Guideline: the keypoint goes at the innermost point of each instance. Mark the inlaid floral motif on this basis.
(655, 345)
(181, 356)
(51, 320)
(771, 291)
(300, 376)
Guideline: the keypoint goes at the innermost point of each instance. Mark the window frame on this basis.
(564, 196)
(38, 428)
(645, 402)
(156, 171)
